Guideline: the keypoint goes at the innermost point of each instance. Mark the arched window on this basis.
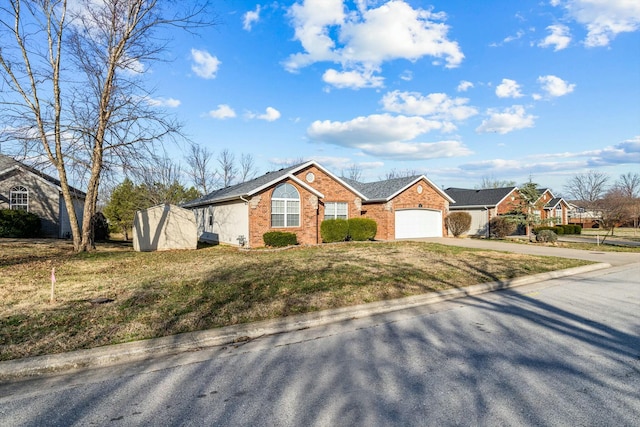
(19, 198)
(285, 206)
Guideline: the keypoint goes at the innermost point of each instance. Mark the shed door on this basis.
(412, 223)
(479, 226)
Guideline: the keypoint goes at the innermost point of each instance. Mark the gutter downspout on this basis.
(248, 221)
(488, 223)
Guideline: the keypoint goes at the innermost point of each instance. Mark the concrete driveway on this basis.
(613, 258)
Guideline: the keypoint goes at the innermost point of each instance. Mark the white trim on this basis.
(74, 192)
(418, 179)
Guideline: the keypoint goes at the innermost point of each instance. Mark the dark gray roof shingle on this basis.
(7, 162)
(372, 191)
(381, 190)
(483, 197)
(242, 189)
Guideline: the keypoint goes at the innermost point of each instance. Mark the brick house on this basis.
(298, 198)
(550, 209)
(484, 204)
(25, 188)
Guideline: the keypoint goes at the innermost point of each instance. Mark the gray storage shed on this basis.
(164, 227)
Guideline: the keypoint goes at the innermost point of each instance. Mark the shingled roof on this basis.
(8, 164)
(488, 197)
(369, 192)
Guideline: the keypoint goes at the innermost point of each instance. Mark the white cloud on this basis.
(626, 152)
(604, 19)
(508, 89)
(543, 166)
(164, 102)
(205, 65)
(398, 150)
(352, 79)
(407, 75)
(270, 115)
(376, 128)
(560, 37)
(507, 120)
(222, 112)
(363, 39)
(518, 35)
(434, 105)
(464, 86)
(250, 18)
(555, 86)
(386, 136)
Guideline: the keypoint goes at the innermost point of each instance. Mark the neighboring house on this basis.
(298, 198)
(551, 209)
(25, 188)
(579, 213)
(484, 204)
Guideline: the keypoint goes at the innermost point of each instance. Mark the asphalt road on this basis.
(557, 353)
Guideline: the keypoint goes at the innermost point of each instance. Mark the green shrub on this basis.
(19, 223)
(546, 236)
(361, 229)
(458, 223)
(500, 227)
(559, 230)
(541, 228)
(279, 239)
(578, 229)
(334, 230)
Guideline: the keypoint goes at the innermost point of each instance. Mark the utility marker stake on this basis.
(53, 282)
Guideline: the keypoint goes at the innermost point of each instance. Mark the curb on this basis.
(194, 341)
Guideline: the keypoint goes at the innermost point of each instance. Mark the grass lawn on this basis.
(162, 293)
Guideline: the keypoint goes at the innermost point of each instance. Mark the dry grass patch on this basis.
(163, 293)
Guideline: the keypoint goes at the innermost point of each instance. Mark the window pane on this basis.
(293, 220)
(277, 220)
(277, 206)
(329, 210)
(293, 213)
(341, 210)
(19, 198)
(286, 191)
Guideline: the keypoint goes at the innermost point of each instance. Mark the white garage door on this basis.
(411, 223)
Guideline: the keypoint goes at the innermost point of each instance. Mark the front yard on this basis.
(163, 293)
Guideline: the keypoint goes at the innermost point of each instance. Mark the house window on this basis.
(19, 198)
(335, 210)
(285, 206)
(558, 214)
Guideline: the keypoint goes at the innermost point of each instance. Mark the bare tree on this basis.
(354, 172)
(489, 182)
(285, 163)
(629, 185)
(405, 173)
(628, 188)
(587, 187)
(161, 180)
(228, 169)
(613, 211)
(73, 89)
(247, 167)
(201, 170)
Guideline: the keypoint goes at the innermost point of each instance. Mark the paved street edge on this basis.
(194, 341)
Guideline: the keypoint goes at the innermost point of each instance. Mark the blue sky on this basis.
(456, 90)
